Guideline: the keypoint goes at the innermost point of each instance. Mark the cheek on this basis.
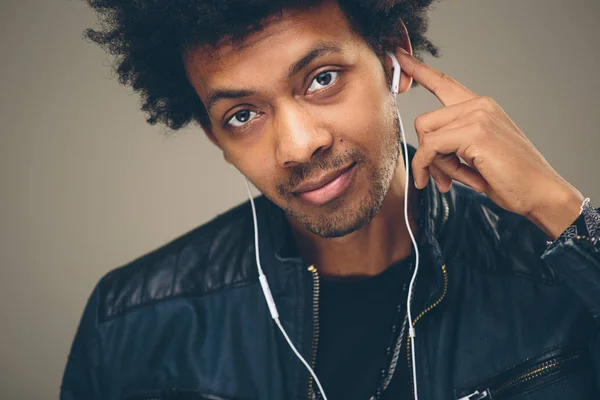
(364, 117)
(256, 167)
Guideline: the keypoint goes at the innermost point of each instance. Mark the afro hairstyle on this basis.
(148, 37)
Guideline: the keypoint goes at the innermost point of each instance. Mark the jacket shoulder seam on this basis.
(149, 303)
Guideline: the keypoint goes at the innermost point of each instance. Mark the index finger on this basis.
(445, 88)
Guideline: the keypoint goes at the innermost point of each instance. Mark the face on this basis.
(303, 109)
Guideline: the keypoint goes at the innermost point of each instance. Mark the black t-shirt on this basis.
(356, 317)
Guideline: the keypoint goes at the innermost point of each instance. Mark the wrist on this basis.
(558, 211)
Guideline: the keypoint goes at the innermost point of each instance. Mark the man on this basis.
(297, 96)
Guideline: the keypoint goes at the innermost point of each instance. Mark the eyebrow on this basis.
(318, 51)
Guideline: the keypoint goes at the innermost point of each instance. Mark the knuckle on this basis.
(479, 128)
(481, 114)
(473, 149)
(428, 140)
(421, 123)
(487, 103)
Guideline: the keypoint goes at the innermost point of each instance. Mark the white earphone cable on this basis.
(411, 327)
(269, 297)
(396, 72)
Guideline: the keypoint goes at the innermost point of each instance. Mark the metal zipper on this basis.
(436, 303)
(315, 344)
(539, 371)
(425, 311)
(316, 286)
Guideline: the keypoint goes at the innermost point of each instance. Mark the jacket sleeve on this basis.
(82, 375)
(575, 257)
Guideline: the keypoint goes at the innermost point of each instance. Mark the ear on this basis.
(211, 136)
(404, 46)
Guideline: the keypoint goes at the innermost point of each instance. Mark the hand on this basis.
(500, 161)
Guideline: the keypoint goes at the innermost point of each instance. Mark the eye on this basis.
(323, 80)
(241, 118)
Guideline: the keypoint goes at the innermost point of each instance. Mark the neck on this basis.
(371, 249)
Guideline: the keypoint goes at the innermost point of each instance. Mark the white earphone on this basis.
(411, 327)
(263, 279)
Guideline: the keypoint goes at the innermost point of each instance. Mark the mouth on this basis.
(327, 187)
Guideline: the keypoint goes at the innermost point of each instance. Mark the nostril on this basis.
(320, 150)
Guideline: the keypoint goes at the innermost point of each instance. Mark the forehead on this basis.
(274, 47)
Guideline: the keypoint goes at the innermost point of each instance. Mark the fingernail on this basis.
(402, 50)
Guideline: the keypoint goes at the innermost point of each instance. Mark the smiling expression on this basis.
(303, 109)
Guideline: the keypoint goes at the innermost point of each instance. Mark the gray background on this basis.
(87, 186)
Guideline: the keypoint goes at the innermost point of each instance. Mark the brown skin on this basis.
(300, 128)
(500, 161)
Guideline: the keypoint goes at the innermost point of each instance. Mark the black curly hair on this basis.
(148, 38)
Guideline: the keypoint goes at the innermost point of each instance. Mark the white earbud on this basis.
(395, 72)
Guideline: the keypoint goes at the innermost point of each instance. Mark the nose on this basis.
(299, 136)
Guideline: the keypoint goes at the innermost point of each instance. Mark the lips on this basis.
(326, 188)
(324, 180)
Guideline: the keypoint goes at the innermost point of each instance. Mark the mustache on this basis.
(317, 167)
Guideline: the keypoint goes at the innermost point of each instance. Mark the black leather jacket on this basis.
(497, 316)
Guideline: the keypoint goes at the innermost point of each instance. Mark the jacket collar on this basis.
(277, 245)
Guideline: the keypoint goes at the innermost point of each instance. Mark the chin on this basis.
(340, 218)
